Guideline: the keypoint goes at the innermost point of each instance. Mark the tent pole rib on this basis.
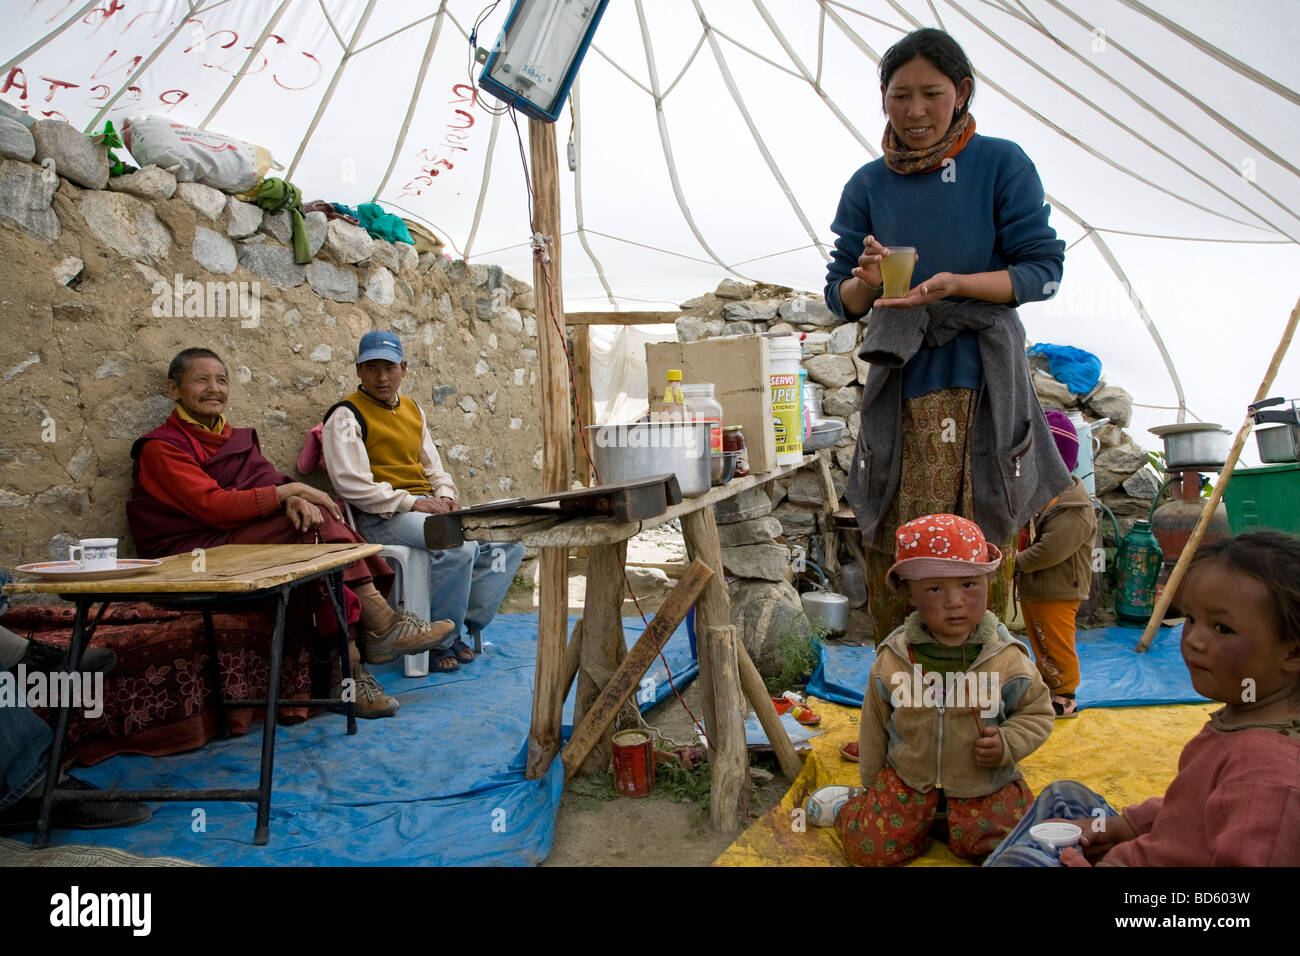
(126, 84)
(14, 61)
(483, 187)
(415, 99)
(329, 91)
(666, 143)
(1134, 133)
(1210, 50)
(243, 70)
(575, 101)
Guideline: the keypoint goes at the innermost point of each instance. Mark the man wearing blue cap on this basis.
(382, 460)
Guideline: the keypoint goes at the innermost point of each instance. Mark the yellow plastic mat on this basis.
(1124, 753)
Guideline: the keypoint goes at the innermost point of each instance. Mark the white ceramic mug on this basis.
(95, 554)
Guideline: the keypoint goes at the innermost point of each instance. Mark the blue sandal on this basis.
(462, 651)
(443, 661)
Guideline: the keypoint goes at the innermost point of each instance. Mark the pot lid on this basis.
(1160, 431)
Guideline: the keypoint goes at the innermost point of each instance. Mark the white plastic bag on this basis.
(195, 155)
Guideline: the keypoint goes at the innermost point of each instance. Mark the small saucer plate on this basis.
(72, 571)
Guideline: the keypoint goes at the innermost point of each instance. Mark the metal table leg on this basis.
(262, 832)
(334, 587)
(214, 674)
(80, 638)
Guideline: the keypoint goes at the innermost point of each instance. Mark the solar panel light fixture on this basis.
(538, 53)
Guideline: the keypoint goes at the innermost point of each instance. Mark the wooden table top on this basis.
(227, 569)
(587, 532)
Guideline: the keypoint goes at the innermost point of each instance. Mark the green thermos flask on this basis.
(1138, 563)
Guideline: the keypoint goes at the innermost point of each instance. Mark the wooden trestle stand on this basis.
(607, 673)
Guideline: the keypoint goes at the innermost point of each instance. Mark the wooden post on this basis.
(729, 768)
(572, 658)
(1194, 542)
(759, 699)
(553, 579)
(713, 609)
(585, 403)
(603, 646)
(628, 676)
(831, 535)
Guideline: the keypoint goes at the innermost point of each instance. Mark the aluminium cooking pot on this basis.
(1200, 445)
(646, 449)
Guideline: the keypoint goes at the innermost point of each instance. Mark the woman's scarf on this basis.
(906, 161)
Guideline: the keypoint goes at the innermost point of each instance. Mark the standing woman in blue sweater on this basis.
(973, 208)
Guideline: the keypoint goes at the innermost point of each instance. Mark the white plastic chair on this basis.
(410, 590)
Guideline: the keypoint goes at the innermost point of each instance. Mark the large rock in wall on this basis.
(93, 312)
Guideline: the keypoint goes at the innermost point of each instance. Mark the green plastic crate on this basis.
(1267, 497)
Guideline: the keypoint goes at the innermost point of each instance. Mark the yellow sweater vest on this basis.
(393, 440)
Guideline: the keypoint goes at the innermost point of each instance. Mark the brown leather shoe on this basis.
(410, 635)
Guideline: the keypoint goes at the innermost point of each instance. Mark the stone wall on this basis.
(91, 315)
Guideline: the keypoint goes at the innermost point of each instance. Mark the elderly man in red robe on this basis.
(198, 483)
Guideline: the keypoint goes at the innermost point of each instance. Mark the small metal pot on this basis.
(1278, 444)
(831, 608)
(645, 449)
(1194, 443)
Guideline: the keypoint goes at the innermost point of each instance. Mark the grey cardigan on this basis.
(1015, 466)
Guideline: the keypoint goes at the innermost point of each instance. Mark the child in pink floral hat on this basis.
(952, 703)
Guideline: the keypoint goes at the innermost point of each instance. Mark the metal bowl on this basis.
(645, 449)
(723, 466)
(825, 432)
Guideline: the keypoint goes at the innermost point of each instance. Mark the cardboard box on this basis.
(738, 366)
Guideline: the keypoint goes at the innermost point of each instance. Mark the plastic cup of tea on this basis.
(94, 554)
(896, 271)
(1056, 834)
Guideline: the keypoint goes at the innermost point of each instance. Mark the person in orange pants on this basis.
(1055, 574)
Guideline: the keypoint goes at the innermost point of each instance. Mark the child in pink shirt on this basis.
(1236, 799)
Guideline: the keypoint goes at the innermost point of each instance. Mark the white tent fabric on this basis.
(713, 138)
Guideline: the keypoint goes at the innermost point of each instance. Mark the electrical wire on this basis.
(473, 60)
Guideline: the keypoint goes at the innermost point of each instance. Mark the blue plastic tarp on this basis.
(1112, 675)
(439, 784)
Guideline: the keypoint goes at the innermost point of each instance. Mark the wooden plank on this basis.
(628, 676)
(674, 569)
(621, 318)
(752, 683)
(729, 766)
(584, 405)
(603, 646)
(226, 569)
(553, 578)
(621, 501)
(586, 532)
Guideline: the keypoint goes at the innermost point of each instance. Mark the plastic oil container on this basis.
(701, 406)
(787, 404)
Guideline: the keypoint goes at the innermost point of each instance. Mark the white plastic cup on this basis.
(1056, 834)
(94, 554)
(416, 665)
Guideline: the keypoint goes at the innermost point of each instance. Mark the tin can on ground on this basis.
(634, 763)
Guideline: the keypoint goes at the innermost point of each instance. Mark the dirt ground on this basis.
(596, 826)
